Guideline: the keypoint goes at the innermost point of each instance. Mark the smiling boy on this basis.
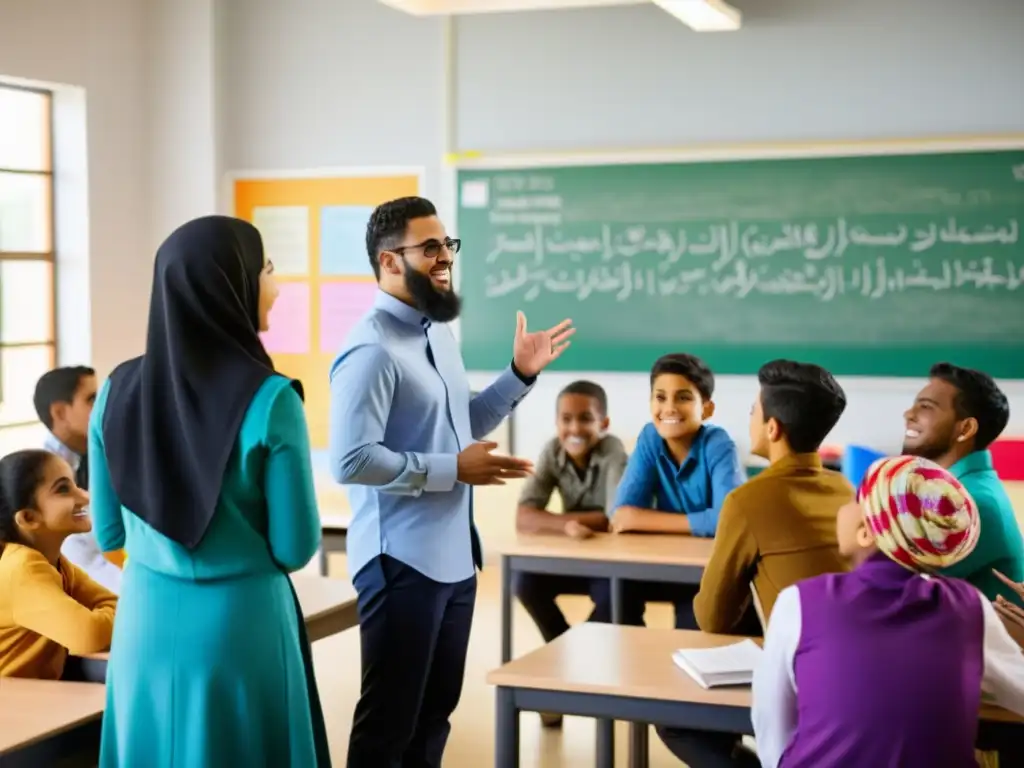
(953, 420)
(678, 476)
(584, 464)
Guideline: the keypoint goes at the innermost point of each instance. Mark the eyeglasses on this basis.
(432, 248)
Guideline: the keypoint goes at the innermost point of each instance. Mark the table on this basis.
(334, 536)
(627, 673)
(46, 719)
(328, 608)
(619, 557)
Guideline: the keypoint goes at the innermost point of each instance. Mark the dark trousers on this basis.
(537, 593)
(414, 633)
(636, 595)
(706, 749)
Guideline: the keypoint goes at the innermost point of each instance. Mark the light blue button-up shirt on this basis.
(399, 416)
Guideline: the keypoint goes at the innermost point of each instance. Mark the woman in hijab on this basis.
(201, 470)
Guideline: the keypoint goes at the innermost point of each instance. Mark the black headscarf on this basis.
(173, 415)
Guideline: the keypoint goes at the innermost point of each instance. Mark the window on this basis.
(28, 344)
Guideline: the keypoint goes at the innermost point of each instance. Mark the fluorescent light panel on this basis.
(704, 15)
(458, 7)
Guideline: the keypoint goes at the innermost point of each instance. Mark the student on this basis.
(885, 665)
(48, 607)
(678, 476)
(779, 527)
(952, 422)
(63, 399)
(584, 464)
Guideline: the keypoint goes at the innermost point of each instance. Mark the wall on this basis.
(98, 45)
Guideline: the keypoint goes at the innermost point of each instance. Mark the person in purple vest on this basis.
(884, 667)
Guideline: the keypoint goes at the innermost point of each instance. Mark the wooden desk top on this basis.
(635, 662)
(34, 710)
(665, 549)
(328, 607)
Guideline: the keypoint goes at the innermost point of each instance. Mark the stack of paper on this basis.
(726, 665)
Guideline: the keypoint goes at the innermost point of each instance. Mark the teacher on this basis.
(403, 427)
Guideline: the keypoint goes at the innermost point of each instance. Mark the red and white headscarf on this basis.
(922, 517)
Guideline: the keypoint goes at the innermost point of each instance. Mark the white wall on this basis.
(134, 86)
(323, 83)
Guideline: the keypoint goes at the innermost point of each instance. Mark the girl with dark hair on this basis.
(48, 607)
(200, 469)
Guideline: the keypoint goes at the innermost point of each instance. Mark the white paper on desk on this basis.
(726, 665)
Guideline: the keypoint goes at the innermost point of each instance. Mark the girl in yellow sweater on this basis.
(48, 607)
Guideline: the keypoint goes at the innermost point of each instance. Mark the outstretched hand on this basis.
(533, 352)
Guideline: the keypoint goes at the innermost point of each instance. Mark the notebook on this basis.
(726, 665)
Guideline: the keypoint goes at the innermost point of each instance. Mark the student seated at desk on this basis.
(780, 526)
(677, 477)
(584, 464)
(48, 607)
(953, 421)
(63, 400)
(885, 665)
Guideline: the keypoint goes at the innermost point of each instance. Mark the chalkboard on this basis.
(873, 265)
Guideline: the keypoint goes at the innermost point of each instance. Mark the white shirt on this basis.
(81, 549)
(774, 708)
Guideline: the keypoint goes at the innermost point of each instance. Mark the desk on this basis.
(334, 536)
(328, 608)
(619, 557)
(44, 719)
(627, 673)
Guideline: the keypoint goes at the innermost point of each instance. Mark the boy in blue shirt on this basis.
(678, 476)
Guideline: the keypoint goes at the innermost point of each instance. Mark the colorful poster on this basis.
(341, 306)
(285, 233)
(289, 321)
(343, 240)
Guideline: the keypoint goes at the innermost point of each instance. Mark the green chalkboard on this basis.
(873, 265)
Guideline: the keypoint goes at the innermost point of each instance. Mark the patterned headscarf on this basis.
(921, 515)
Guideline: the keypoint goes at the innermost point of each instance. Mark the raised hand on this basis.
(533, 352)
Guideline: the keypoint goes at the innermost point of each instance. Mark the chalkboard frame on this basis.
(893, 363)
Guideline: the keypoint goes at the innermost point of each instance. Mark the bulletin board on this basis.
(314, 230)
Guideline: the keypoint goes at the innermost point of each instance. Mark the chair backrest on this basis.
(857, 459)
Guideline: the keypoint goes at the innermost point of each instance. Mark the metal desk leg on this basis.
(617, 599)
(506, 732)
(605, 747)
(506, 609)
(639, 756)
(323, 560)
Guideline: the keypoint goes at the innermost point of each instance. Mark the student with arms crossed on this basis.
(775, 529)
(48, 606)
(677, 477)
(584, 464)
(953, 420)
(63, 399)
(402, 432)
(885, 665)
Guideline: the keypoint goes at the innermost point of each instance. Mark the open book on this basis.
(726, 665)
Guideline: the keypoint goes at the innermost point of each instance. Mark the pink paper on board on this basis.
(289, 321)
(341, 306)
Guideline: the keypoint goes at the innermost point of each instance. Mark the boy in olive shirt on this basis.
(584, 465)
(953, 421)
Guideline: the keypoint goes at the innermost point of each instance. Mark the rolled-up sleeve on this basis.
(363, 385)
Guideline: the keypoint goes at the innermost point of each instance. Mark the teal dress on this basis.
(209, 664)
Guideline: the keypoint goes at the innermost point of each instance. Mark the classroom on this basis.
(831, 182)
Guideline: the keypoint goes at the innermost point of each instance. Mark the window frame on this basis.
(50, 256)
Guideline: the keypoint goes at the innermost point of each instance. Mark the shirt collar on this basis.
(53, 445)
(400, 309)
(794, 461)
(696, 449)
(979, 461)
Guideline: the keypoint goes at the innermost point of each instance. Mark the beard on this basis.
(931, 450)
(439, 306)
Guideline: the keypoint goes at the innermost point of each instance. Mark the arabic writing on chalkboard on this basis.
(735, 260)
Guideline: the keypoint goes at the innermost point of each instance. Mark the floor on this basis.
(472, 740)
